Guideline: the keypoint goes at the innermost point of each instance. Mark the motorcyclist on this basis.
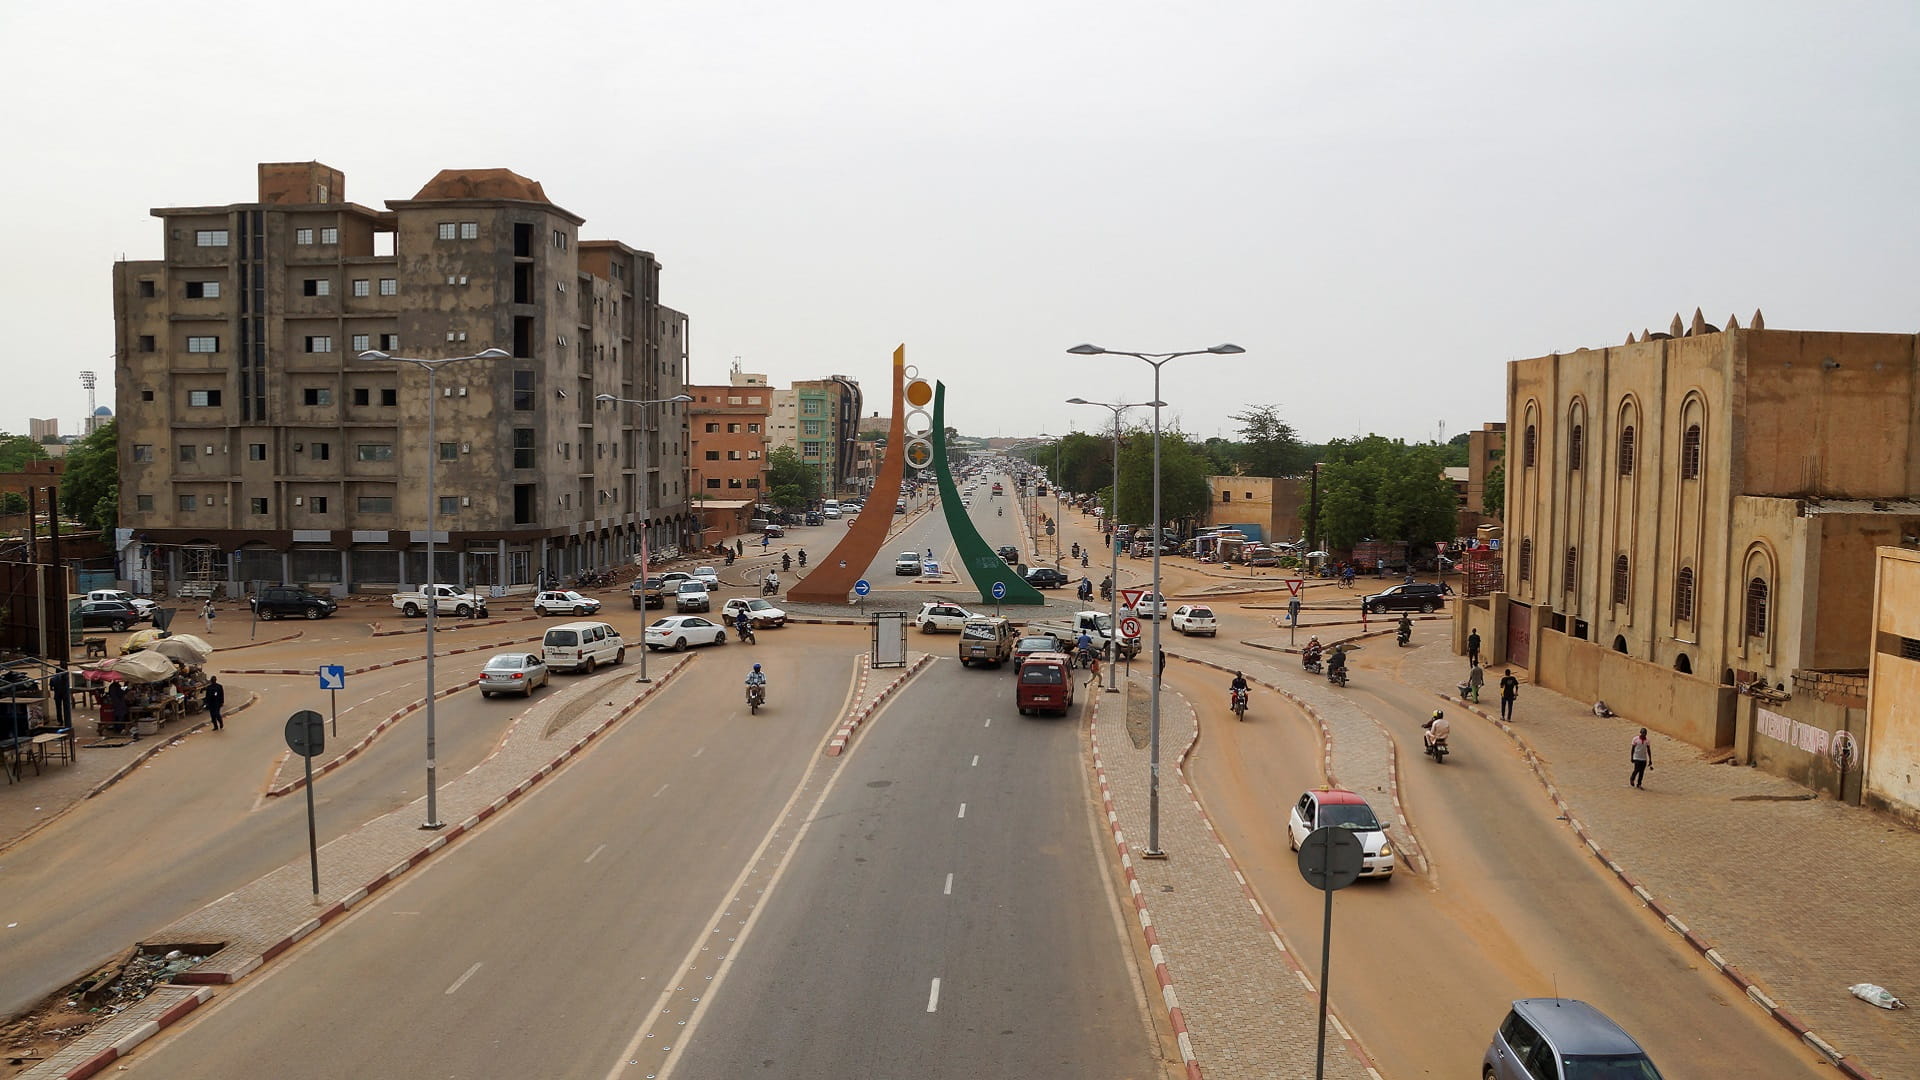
(743, 625)
(1310, 655)
(1405, 626)
(772, 584)
(803, 556)
(786, 561)
(1083, 647)
(1337, 664)
(1237, 687)
(1086, 589)
(756, 677)
(1436, 727)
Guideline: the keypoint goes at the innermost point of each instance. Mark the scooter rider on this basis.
(771, 585)
(756, 677)
(786, 561)
(1083, 647)
(803, 556)
(1436, 728)
(1337, 664)
(1406, 627)
(1237, 687)
(1310, 656)
(743, 626)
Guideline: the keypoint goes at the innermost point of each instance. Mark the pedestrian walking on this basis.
(1161, 671)
(117, 705)
(63, 698)
(1641, 754)
(1093, 670)
(215, 697)
(206, 614)
(1476, 678)
(1473, 647)
(1509, 692)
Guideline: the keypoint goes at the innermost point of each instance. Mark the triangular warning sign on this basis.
(1293, 585)
(1130, 598)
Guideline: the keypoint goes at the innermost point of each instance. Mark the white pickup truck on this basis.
(446, 599)
(1095, 624)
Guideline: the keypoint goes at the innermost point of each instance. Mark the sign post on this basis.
(1331, 858)
(333, 679)
(999, 594)
(307, 736)
(861, 588)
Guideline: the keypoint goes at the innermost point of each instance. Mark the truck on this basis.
(446, 600)
(1096, 625)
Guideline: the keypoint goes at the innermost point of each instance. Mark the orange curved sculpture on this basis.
(832, 578)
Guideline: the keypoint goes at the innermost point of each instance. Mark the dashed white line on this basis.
(933, 997)
(976, 762)
(656, 794)
(596, 851)
(989, 722)
(963, 809)
(948, 891)
(700, 751)
(461, 981)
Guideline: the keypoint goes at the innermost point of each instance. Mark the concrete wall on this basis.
(1892, 757)
(1682, 706)
(1829, 414)
(1794, 739)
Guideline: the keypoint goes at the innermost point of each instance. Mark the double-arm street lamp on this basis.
(1153, 726)
(645, 489)
(1112, 521)
(432, 368)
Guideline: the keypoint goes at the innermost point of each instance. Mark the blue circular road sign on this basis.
(862, 587)
(999, 590)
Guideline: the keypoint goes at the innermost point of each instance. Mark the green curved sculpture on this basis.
(982, 566)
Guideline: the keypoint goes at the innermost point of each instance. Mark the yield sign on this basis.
(1293, 585)
(1130, 598)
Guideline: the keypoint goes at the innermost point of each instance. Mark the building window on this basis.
(389, 286)
(319, 343)
(753, 481)
(256, 451)
(303, 236)
(1571, 571)
(317, 504)
(329, 235)
(523, 391)
(187, 502)
(320, 451)
(361, 343)
(258, 506)
(733, 429)
(316, 395)
(733, 455)
(362, 287)
(146, 289)
(1683, 594)
(143, 451)
(373, 451)
(469, 230)
(713, 455)
(374, 504)
(449, 451)
(209, 238)
(1626, 451)
(143, 503)
(1756, 608)
(204, 343)
(186, 452)
(1527, 443)
(389, 342)
(753, 429)
(362, 396)
(1576, 447)
(1690, 453)
(713, 429)
(148, 343)
(559, 240)
(713, 482)
(203, 290)
(523, 453)
(1526, 561)
(449, 504)
(317, 287)
(389, 396)
(449, 230)
(203, 399)
(1621, 578)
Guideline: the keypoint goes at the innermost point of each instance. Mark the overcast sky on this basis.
(1381, 202)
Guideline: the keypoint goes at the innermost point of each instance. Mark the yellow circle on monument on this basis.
(919, 392)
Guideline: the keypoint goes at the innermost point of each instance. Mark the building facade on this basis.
(256, 445)
(1277, 505)
(728, 439)
(1486, 454)
(828, 414)
(43, 430)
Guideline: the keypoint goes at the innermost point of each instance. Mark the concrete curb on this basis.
(379, 666)
(366, 741)
(124, 1045)
(1672, 921)
(838, 744)
(464, 623)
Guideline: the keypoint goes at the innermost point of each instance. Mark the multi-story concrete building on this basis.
(783, 432)
(1277, 504)
(1691, 524)
(257, 446)
(43, 430)
(829, 423)
(728, 432)
(1486, 451)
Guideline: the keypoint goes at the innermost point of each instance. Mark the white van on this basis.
(831, 504)
(582, 646)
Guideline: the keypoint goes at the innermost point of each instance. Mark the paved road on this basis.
(947, 915)
(537, 947)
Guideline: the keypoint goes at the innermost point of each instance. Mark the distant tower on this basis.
(87, 380)
(1443, 433)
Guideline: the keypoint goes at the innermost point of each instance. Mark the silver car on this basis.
(513, 673)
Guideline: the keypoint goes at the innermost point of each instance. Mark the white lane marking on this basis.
(700, 751)
(976, 762)
(933, 997)
(949, 889)
(656, 794)
(963, 809)
(989, 722)
(596, 851)
(462, 980)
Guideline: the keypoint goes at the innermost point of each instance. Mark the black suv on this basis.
(283, 601)
(1420, 596)
(1046, 577)
(116, 614)
(1010, 553)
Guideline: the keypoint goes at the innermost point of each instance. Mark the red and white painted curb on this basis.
(1772, 1008)
(838, 744)
(124, 1045)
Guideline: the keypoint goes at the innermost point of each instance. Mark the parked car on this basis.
(1421, 596)
(649, 593)
(936, 616)
(113, 614)
(1262, 556)
(830, 512)
(140, 603)
(277, 601)
(1340, 808)
(907, 564)
(676, 632)
(1046, 577)
(759, 612)
(1563, 1039)
(1008, 553)
(708, 576)
(1194, 619)
(691, 595)
(513, 673)
(582, 646)
(569, 602)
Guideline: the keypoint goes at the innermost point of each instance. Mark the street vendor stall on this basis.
(136, 693)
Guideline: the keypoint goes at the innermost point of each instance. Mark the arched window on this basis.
(1576, 447)
(1572, 571)
(1690, 453)
(1683, 665)
(1756, 608)
(1527, 445)
(1526, 560)
(1683, 594)
(1620, 578)
(1626, 451)
(1620, 643)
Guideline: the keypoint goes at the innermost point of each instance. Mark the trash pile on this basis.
(113, 988)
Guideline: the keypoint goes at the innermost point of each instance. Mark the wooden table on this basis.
(48, 743)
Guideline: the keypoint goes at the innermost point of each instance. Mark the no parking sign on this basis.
(1129, 627)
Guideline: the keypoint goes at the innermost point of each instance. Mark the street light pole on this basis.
(1113, 550)
(432, 368)
(1153, 725)
(645, 533)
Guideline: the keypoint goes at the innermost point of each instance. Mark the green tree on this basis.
(1272, 448)
(90, 485)
(17, 450)
(1455, 451)
(13, 502)
(1183, 478)
(792, 484)
(1493, 500)
(1387, 490)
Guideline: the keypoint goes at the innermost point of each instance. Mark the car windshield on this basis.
(1103, 624)
(1609, 1067)
(692, 587)
(506, 663)
(1356, 816)
(1200, 613)
(562, 637)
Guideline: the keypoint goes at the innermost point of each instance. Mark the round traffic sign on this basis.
(1331, 858)
(863, 587)
(999, 590)
(1130, 627)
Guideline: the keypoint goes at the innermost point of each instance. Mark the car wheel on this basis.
(580, 610)
(462, 611)
(1426, 607)
(926, 627)
(679, 644)
(484, 694)
(591, 664)
(620, 655)
(529, 691)
(411, 609)
(720, 638)
(966, 661)
(314, 613)
(120, 626)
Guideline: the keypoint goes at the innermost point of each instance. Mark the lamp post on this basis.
(432, 368)
(1153, 725)
(1113, 511)
(1058, 441)
(642, 403)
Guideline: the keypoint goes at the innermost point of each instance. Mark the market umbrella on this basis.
(140, 667)
(140, 639)
(185, 648)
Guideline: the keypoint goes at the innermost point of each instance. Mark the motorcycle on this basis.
(1311, 664)
(803, 558)
(745, 630)
(1085, 561)
(769, 587)
(1403, 636)
(786, 561)
(1337, 675)
(1437, 749)
(1240, 704)
(756, 697)
(1106, 592)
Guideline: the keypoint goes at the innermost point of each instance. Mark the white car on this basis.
(676, 632)
(830, 512)
(140, 603)
(1340, 808)
(565, 603)
(935, 617)
(513, 673)
(1151, 606)
(759, 612)
(1194, 619)
(708, 576)
(671, 579)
